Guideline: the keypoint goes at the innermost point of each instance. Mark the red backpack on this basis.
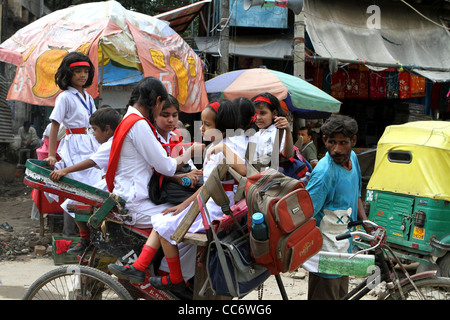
(288, 213)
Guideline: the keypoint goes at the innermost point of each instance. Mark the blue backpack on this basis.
(295, 167)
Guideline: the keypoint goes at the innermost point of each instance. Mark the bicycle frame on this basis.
(385, 260)
(95, 206)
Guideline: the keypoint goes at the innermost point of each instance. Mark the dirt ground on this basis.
(20, 265)
(15, 210)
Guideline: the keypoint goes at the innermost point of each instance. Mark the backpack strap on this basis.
(275, 156)
(220, 254)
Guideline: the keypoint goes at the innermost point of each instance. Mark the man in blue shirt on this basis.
(335, 190)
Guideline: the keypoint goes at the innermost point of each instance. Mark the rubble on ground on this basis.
(14, 244)
(21, 242)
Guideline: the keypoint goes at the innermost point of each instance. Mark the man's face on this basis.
(339, 147)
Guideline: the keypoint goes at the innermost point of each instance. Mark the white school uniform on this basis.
(264, 139)
(166, 225)
(101, 157)
(73, 111)
(141, 154)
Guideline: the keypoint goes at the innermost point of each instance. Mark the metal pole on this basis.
(224, 37)
(299, 62)
(299, 45)
(281, 287)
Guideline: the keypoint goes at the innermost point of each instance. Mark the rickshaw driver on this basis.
(335, 190)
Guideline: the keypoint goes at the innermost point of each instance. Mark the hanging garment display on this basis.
(377, 84)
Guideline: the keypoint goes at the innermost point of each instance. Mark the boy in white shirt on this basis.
(104, 122)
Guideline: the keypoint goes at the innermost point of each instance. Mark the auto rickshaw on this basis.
(409, 192)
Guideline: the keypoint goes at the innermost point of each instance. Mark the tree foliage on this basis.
(149, 7)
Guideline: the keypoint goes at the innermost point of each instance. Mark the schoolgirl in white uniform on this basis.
(181, 259)
(165, 124)
(73, 107)
(140, 154)
(269, 118)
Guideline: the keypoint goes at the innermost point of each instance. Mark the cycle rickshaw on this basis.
(89, 280)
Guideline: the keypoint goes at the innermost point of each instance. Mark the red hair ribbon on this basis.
(262, 99)
(215, 106)
(79, 64)
(253, 119)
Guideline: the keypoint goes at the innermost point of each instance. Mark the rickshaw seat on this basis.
(198, 239)
(144, 232)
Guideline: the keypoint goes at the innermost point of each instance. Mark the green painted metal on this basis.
(410, 222)
(110, 201)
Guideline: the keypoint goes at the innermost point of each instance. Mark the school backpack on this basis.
(294, 167)
(288, 213)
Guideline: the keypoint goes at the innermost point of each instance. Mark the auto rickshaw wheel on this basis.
(444, 265)
(423, 267)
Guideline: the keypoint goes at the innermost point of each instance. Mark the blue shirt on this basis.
(335, 192)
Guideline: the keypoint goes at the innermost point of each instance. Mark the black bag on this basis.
(170, 192)
(231, 269)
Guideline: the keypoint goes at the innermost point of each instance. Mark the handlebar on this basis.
(355, 233)
(358, 233)
(376, 237)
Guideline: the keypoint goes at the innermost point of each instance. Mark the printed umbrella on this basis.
(300, 97)
(123, 45)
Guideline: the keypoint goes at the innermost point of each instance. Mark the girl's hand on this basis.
(56, 175)
(215, 149)
(282, 123)
(51, 160)
(177, 209)
(194, 176)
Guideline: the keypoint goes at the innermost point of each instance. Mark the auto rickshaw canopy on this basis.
(414, 159)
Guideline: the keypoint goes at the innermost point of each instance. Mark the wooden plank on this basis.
(191, 215)
(199, 239)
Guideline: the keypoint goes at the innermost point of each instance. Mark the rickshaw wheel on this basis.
(76, 282)
(433, 288)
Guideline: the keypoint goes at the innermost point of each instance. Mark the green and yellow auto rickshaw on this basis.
(409, 192)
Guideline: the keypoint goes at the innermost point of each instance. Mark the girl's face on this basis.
(208, 123)
(79, 77)
(167, 120)
(265, 116)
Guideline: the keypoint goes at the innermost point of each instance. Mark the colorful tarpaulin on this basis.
(181, 18)
(130, 44)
